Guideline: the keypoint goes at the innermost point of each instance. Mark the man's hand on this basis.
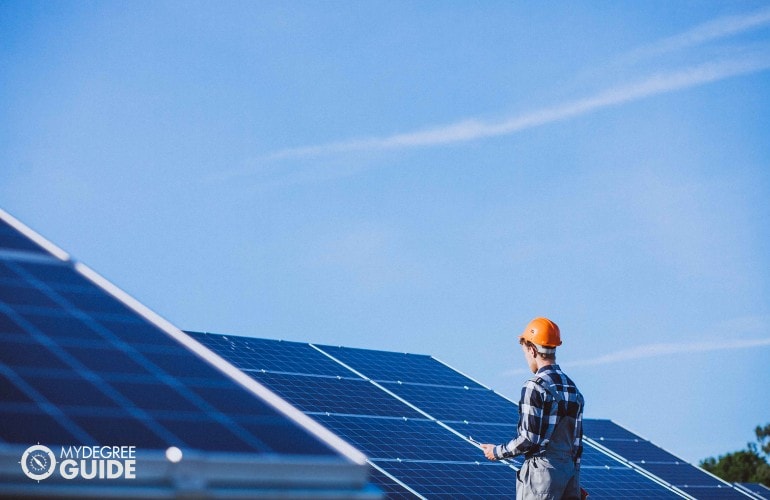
(489, 451)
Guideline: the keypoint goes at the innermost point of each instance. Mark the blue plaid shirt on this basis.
(546, 399)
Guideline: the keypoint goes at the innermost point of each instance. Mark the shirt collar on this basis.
(548, 368)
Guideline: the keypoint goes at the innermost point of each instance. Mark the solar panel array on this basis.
(413, 416)
(82, 364)
(80, 367)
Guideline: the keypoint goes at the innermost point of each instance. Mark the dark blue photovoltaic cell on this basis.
(70, 285)
(391, 489)
(6, 273)
(93, 302)
(26, 424)
(177, 363)
(14, 295)
(25, 352)
(393, 438)
(271, 355)
(454, 403)
(613, 483)
(143, 336)
(639, 451)
(594, 458)
(681, 474)
(11, 239)
(485, 432)
(72, 373)
(69, 389)
(8, 326)
(758, 489)
(65, 327)
(706, 493)
(335, 395)
(62, 277)
(605, 429)
(11, 393)
(393, 366)
(455, 480)
(100, 359)
(139, 432)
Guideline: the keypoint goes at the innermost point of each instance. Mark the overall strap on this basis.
(550, 388)
(560, 443)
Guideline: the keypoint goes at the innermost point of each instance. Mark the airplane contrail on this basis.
(703, 33)
(468, 130)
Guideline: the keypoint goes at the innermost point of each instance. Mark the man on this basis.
(550, 432)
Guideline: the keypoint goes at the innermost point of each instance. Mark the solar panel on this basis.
(392, 489)
(714, 493)
(11, 240)
(399, 367)
(401, 439)
(454, 480)
(457, 403)
(657, 461)
(80, 367)
(639, 451)
(429, 455)
(616, 482)
(484, 432)
(757, 489)
(101, 356)
(336, 395)
(251, 354)
(692, 480)
(600, 429)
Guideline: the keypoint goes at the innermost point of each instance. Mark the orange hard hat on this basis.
(543, 332)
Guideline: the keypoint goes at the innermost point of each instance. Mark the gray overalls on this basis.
(554, 474)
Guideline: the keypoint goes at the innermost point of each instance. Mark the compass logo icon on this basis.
(38, 462)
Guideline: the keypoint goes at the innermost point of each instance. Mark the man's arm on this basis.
(535, 409)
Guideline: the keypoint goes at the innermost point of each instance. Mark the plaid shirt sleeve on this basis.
(538, 413)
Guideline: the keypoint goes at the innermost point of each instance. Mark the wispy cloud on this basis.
(468, 130)
(716, 29)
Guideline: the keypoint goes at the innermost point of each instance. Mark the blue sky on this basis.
(422, 177)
